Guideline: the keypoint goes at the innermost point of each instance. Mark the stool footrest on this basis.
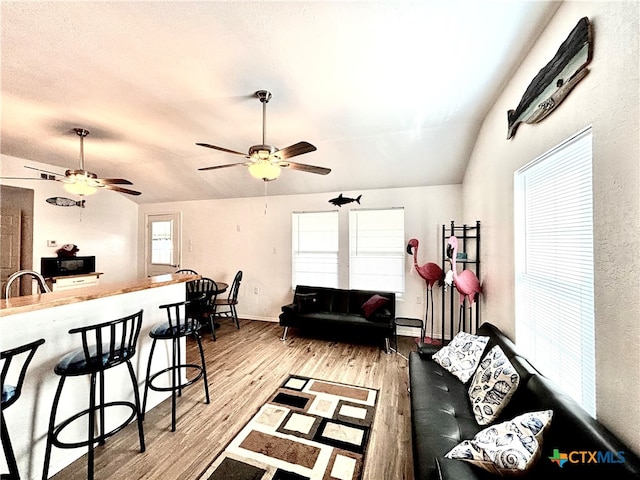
(181, 385)
(57, 430)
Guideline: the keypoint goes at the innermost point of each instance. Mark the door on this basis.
(163, 244)
(16, 235)
(10, 241)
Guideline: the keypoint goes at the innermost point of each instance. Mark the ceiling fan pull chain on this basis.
(266, 205)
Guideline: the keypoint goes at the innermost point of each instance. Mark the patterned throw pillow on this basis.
(492, 386)
(462, 355)
(509, 448)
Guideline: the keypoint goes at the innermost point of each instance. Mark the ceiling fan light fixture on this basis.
(80, 187)
(264, 170)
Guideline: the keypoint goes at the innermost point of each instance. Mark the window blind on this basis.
(315, 249)
(377, 250)
(553, 207)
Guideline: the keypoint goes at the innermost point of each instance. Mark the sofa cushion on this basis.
(462, 355)
(492, 386)
(307, 302)
(509, 448)
(373, 304)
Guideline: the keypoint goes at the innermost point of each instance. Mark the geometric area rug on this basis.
(309, 429)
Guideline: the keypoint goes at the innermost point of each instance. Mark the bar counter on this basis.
(51, 316)
(30, 303)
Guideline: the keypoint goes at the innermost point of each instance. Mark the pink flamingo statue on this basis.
(431, 272)
(466, 282)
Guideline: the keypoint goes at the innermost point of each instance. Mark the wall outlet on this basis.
(256, 290)
(419, 300)
(52, 243)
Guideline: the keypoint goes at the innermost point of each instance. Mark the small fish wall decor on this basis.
(65, 202)
(340, 200)
(554, 82)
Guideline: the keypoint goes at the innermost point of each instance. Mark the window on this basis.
(553, 207)
(162, 242)
(315, 249)
(377, 249)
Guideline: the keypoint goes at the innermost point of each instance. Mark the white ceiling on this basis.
(391, 93)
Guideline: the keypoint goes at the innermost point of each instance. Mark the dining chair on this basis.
(203, 307)
(187, 271)
(226, 307)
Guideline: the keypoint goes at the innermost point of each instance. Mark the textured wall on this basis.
(607, 99)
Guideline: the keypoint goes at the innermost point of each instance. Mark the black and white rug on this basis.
(309, 429)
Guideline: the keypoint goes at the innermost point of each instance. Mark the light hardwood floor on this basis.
(244, 367)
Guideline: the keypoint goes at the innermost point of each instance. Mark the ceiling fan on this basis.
(266, 161)
(82, 182)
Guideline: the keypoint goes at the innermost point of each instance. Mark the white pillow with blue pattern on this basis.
(508, 448)
(492, 386)
(462, 355)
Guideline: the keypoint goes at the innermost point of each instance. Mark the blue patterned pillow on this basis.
(509, 448)
(462, 355)
(492, 386)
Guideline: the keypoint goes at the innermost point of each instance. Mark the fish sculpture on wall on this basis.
(65, 202)
(340, 200)
(554, 82)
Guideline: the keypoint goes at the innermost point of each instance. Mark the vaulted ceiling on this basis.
(392, 94)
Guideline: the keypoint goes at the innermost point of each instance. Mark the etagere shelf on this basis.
(469, 246)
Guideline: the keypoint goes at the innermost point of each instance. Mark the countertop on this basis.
(30, 303)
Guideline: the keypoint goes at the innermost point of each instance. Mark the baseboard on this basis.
(260, 319)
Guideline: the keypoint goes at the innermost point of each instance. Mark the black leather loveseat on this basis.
(360, 313)
(442, 417)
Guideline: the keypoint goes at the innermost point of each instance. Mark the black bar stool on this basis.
(104, 346)
(178, 325)
(11, 393)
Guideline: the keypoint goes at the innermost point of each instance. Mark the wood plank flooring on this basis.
(244, 367)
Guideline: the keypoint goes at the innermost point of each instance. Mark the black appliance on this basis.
(61, 266)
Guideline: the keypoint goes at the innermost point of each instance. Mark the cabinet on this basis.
(68, 282)
(468, 258)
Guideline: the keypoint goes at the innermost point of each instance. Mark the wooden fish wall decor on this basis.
(65, 202)
(554, 82)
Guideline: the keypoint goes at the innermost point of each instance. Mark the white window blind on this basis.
(315, 249)
(553, 207)
(377, 249)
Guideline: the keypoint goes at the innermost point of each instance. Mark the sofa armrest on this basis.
(291, 308)
(449, 469)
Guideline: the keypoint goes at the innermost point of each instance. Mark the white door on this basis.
(163, 244)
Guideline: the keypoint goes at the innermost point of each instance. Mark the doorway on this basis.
(16, 234)
(162, 251)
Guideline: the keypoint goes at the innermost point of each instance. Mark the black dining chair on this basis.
(187, 271)
(104, 346)
(177, 326)
(13, 375)
(205, 292)
(226, 307)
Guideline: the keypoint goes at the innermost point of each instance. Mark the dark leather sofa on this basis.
(338, 311)
(441, 418)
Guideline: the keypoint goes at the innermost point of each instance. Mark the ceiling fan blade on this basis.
(44, 171)
(215, 167)
(114, 181)
(222, 149)
(305, 168)
(122, 190)
(27, 178)
(295, 150)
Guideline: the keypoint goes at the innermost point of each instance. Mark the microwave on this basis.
(61, 266)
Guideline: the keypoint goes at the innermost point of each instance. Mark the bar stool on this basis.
(104, 346)
(177, 326)
(11, 393)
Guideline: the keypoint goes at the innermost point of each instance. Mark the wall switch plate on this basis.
(52, 243)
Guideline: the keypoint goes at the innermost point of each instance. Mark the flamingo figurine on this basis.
(431, 272)
(466, 282)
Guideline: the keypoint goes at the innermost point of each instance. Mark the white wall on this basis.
(236, 234)
(106, 228)
(608, 99)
